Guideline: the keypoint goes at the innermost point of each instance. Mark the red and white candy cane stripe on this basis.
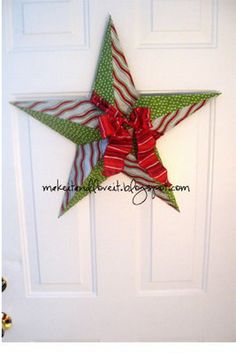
(80, 111)
(148, 159)
(86, 158)
(116, 151)
(134, 171)
(124, 89)
(170, 120)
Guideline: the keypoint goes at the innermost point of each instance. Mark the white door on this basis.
(109, 270)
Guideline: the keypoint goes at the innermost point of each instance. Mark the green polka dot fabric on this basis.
(78, 134)
(161, 104)
(103, 84)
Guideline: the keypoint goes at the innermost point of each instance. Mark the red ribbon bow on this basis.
(121, 132)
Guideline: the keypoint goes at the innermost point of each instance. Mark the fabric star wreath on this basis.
(116, 128)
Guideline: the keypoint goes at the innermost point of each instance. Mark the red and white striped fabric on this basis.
(116, 151)
(86, 158)
(124, 90)
(135, 172)
(148, 160)
(170, 120)
(80, 110)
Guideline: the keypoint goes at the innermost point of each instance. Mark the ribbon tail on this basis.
(159, 173)
(155, 169)
(117, 149)
(148, 160)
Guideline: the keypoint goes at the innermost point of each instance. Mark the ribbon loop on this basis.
(116, 127)
(141, 118)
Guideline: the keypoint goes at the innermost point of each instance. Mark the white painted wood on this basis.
(176, 258)
(108, 270)
(177, 23)
(48, 25)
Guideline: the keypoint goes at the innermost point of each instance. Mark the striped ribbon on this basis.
(120, 131)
